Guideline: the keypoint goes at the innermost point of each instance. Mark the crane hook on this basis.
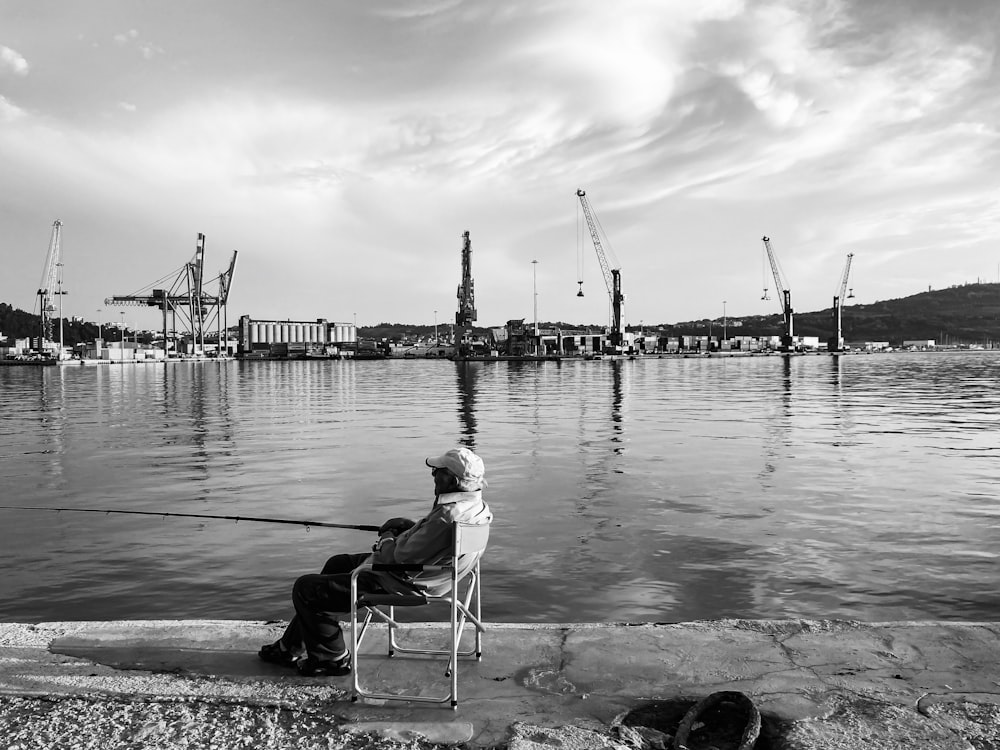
(580, 292)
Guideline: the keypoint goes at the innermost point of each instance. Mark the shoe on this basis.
(311, 667)
(276, 653)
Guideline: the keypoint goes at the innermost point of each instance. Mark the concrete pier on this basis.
(817, 684)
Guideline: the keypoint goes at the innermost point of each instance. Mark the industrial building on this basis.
(288, 339)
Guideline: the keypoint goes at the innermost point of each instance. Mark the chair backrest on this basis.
(470, 544)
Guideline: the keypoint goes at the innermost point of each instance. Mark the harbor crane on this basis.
(785, 296)
(50, 287)
(836, 342)
(187, 297)
(466, 314)
(612, 276)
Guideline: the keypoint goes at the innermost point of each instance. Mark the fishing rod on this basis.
(257, 519)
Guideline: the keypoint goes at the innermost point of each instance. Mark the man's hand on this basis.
(395, 526)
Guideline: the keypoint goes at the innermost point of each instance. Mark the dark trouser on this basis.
(320, 600)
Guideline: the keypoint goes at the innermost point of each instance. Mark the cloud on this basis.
(9, 112)
(417, 9)
(126, 37)
(149, 51)
(131, 38)
(14, 61)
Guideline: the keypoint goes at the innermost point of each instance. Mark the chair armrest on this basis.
(400, 567)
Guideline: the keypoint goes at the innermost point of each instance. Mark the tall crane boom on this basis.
(612, 276)
(842, 289)
(779, 281)
(836, 342)
(49, 287)
(786, 296)
(226, 281)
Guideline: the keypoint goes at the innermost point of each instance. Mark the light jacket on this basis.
(430, 542)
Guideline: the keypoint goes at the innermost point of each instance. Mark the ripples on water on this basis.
(645, 490)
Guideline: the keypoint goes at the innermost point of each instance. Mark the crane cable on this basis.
(579, 246)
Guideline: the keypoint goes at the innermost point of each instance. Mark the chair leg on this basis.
(392, 631)
(479, 619)
(464, 610)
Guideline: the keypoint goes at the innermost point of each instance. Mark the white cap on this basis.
(461, 462)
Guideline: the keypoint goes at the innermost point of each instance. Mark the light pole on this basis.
(60, 293)
(723, 320)
(436, 339)
(123, 334)
(99, 311)
(534, 291)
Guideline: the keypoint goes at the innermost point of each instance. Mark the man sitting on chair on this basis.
(313, 643)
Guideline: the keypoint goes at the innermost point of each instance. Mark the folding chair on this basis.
(469, 544)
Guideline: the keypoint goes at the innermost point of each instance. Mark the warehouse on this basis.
(288, 339)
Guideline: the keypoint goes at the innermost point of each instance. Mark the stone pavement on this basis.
(817, 684)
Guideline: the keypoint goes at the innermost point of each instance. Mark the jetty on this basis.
(817, 684)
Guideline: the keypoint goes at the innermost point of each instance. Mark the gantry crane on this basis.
(466, 314)
(785, 297)
(50, 287)
(836, 342)
(612, 276)
(186, 296)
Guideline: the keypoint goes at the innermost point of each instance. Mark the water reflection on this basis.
(778, 424)
(617, 420)
(51, 416)
(467, 374)
(786, 382)
(197, 426)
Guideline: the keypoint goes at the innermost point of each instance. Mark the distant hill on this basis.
(966, 314)
(18, 324)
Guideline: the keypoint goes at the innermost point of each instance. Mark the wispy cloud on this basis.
(13, 61)
(9, 112)
(131, 38)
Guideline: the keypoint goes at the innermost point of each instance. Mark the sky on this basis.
(342, 148)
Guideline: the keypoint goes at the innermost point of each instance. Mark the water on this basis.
(656, 490)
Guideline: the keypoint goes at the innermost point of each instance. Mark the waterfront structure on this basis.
(270, 339)
(785, 297)
(612, 279)
(50, 287)
(466, 314)
(187, 298)
(421, 350)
